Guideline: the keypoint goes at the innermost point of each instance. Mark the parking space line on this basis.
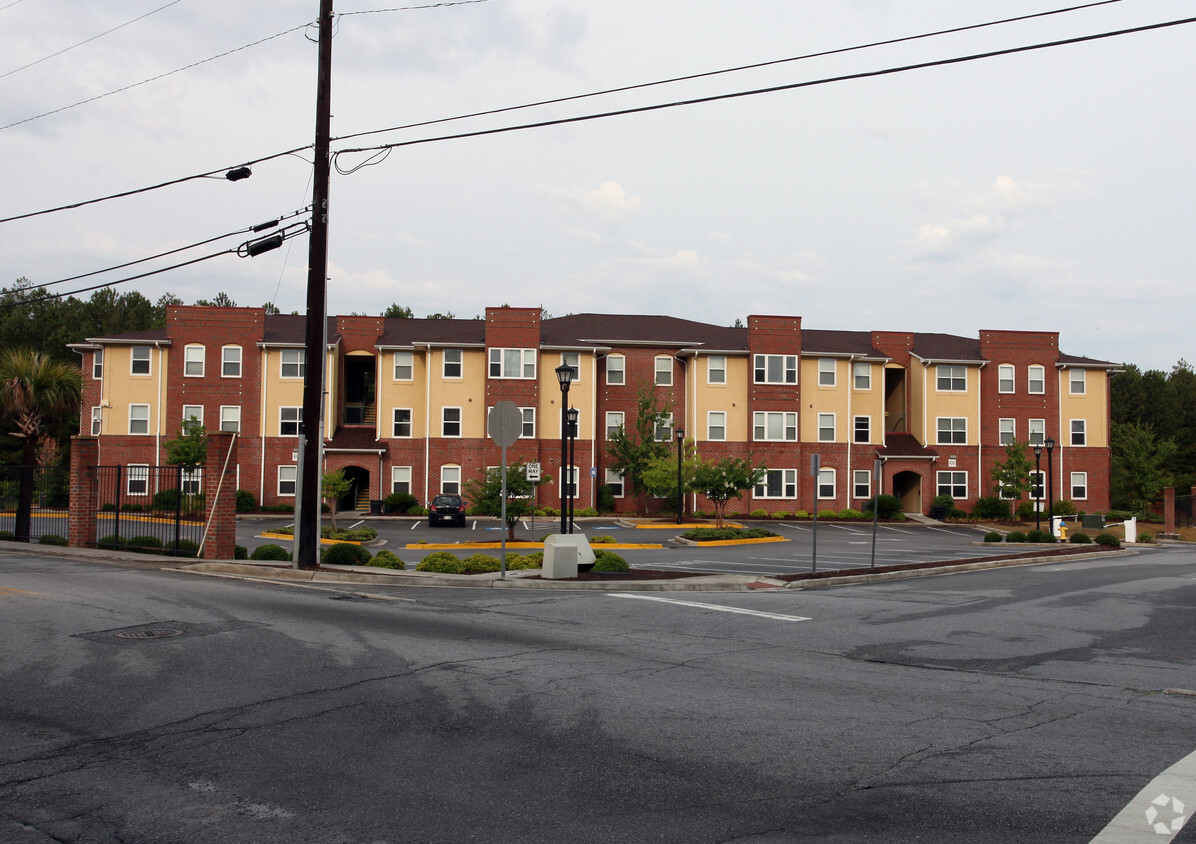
(710, 607)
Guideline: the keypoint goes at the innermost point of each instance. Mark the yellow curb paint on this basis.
(290, 538)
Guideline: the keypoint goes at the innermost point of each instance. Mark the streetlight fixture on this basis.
(564, 377)
(1050, 448)
(572, 415)
(1037, 487)
(680, 491)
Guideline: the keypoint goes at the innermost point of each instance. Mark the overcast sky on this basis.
(1045, 190)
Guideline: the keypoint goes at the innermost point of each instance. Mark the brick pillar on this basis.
(81, 510)
(220, 498)
(1169, 509)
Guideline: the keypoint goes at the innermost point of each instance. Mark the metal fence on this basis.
(155, 509)
(49, 488)
(1183, 511)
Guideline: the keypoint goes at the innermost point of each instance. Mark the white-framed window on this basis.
(230, 418)
(775, 369)
(191, 481)
(826, 427)
(97, 420)
(290, 420)
(400, 479)
(450, 480)
(137, 479)
(193, 412)
(861, 483)
(777, 483)
(862, 375)
(663, 431)
(528, 431)
(288, 478)
(826, 372)
(954, 484)
(716, 369)
(1006, 431)
(401, 422)
(1036, 379)
(826, 483)
(862, 429)
(573, 361)
(513, 363)
(193, 361)
(404, 366)
(450, 422)
(1077, 382)
(139, 418)
(1037, 485)
(1079, 432)
(614, 480)
(293, 363)
(452, 367)
(1006, 382)
(1037, 431)
(139, 360)
(230, 361)
(774, 425)
(951, 378)
(716, 425)
(616, 369)
(1079, 486)
(663, 369)
(614, 421)
(952, 430)
(97, 364)
(569, 487)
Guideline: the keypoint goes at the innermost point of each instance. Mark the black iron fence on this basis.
(1183, 511)
(150, 508)
(47, 490)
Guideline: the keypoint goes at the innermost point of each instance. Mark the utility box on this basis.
(1093, 521)
(563, 553)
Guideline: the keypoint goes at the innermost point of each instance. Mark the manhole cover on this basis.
(160, 633)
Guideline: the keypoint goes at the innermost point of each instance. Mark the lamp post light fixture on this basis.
(1050, 448)
(1037, 487)
(680, 491)
(572, 415)
(564, 377)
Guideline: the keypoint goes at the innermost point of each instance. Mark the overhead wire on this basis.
(415, 8)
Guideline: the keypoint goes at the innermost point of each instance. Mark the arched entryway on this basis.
(908, 487)
(358, 496)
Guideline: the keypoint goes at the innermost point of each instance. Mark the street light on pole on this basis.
(1050, 448)
(1037, 487)
(572, 414)
(564, 377)
(680, 491)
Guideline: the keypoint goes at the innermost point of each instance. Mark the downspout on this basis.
(691, 388)
(925, 391)
(427, 418)
(849, 481)
(593, 426)
(261, 492)
(158, 424)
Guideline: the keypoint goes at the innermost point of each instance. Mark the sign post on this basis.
(814, 466)
(504, 423)
(532, 472)
(876, 472)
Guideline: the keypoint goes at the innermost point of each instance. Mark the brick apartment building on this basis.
(406, 402)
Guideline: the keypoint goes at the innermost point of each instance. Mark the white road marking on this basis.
(899, 530)
(1159, 811)
(357, 524)
(713, 607)
(796, 527)
(413, 525)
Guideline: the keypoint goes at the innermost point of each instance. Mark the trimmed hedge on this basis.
(441, 562)
(344, 554)
(1080, 539)
(52, 539)
(270, 551)
(387, 560)
(1016, 536)
(1108, 540)
(608, 562)
(993, 536)
(719, 534)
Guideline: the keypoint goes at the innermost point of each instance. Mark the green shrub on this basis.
(52, 539)
(442, 562)
(111, 542)
(991, 507)
(1040, 536)
(344, 554)
(516, 562)
(1108, 540)
(993, 536)
(270, 551)
(608, 562)
(723, 533)
(948, 505)
(187, 548)
(887, 506)
(801, 514)
(240, 552)
(131, 508)
(849, 513)
(586, 511)
(827, 514)
(606, 499)
(536, 558)
(400, 502)
(358, 534)
(246, 503)
(108, 507)
(479, 563)
(602, 539)
(1026, 511)
(387, 560)
(759, 514)
(1080, 538)
(1064, 508)
(146, 544)
(1016, 536)
(1148, 538)
(278, 508)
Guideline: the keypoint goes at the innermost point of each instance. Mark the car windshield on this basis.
(446, 501)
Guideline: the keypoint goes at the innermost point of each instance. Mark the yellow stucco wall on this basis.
(1091, 407)
(121, 389)
(731, 398)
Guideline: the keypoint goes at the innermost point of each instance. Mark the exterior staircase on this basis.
(363, 500)
(369, 412)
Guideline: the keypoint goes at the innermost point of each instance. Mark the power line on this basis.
(414, 8)
(10, 5)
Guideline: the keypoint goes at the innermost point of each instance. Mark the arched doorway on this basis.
(908, 487)
(358, 496)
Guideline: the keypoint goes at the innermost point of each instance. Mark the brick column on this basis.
(1169, 509)
(81, 510)
(222, 517)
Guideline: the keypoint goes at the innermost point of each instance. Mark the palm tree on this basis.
(34, 388)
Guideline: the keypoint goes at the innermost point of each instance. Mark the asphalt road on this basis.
(1011, 705)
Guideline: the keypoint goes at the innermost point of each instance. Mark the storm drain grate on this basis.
(159, 633)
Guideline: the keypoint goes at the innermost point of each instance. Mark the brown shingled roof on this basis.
(947, 347)
(605, 329)
(904, 445)
(407, 332)
(815, 341)
(291, 329)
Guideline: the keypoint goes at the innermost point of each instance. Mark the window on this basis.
(954, 484)
(1037, 431)
(664, 428)
(569, 487)
(1077, 384)
(614, 480)
(1036, 379)
(401, 426)
(1005, 379)
(664, 371)
(139, 360)
(138, 479)
(573, 361)
(404, 366)
(1006, 431)
(952, 431)
(191, 481)
(290, 420)
(511, 363)
(615, 366)
(287, 480)
(1079, 486)
(97, 417)
(1037, 485)
(826, 427)
(826, 372)
(826, 483)
(450, 480)
(861, 484)
(863, 429)
(862, 374)
(776, 369)
(230, 418)
(774, 426)
(193, 359)
(1078, 431)
(452, 363)
(139, 418)
(230, 362)
(294, 363)
(97, 364)
(450, 422)
(193, 412)
(614, 421)
(716, 425)
(952, 378)
(716, 369)
(400, 479)
(777, 483)
(529, 422)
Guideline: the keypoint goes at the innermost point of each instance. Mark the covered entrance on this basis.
(907, 486)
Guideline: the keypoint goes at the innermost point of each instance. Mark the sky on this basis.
(1046, 190)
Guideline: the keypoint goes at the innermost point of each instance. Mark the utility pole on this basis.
(307, 537)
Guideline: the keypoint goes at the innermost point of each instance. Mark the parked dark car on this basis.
(446, 509)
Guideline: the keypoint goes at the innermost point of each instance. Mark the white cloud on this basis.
(608, 201)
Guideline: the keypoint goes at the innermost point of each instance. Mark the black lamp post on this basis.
(1037, 487)
(572, 415)
(564, 377)
(680, 491)
(1050, 447)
